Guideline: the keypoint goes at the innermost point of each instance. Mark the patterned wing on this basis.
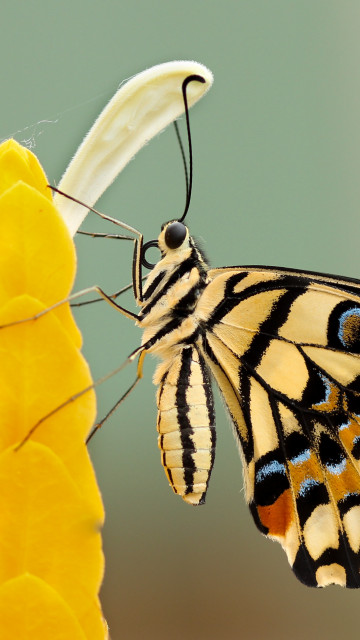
(186, 423)
(284, 348)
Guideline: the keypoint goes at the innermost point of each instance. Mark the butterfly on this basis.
(284, 349)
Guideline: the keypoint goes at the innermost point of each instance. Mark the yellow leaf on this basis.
(37, 255)
(31, 610)
(58, 539)
(18, 163)
(93, 623)
(40, 369)
(51, 511)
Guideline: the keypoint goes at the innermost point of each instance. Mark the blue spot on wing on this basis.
(307, 485)
(301, 457)
(345, 425)
(343, 318)
(327, 391)
(270, 478)
(350, 494)
(337, 469)
(269, 469)
(351, 499)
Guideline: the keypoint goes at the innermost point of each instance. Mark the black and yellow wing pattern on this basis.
(284, 348)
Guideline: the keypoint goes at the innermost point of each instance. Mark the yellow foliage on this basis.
(59, 540)
(51, 512)
(18, 163)
(29, 608)
(37, 255)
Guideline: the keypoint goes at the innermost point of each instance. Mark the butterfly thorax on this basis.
(172, 290)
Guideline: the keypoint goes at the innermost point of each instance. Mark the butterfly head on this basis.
(174, 237)
(176, 245)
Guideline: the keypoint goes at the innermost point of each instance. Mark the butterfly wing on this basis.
(284, 348)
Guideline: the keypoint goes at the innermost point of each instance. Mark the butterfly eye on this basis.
(175, 235)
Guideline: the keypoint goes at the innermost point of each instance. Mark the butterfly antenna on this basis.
(189, 176)
(183, 157)
(188, 172)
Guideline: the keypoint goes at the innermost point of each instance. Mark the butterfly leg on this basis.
(74, 296)
(139, 375)
(138, 243)
(113, 296)
(141, 351)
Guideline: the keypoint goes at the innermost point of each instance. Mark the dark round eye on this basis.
(175, 235)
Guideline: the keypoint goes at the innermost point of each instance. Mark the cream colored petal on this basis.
(139, 110)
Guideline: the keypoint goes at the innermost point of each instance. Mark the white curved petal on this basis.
(139, 110)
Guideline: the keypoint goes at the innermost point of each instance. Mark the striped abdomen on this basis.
(186, 424)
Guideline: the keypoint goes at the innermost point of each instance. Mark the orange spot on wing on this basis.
(333, 401)
(308, 469)
(348, 434)
(278, 516)
(345, 482)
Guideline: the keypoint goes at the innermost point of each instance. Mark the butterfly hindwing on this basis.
(284, 348)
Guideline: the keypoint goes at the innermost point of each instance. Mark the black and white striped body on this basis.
(185, 403)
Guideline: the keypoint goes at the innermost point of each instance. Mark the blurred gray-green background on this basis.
(277, 162)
